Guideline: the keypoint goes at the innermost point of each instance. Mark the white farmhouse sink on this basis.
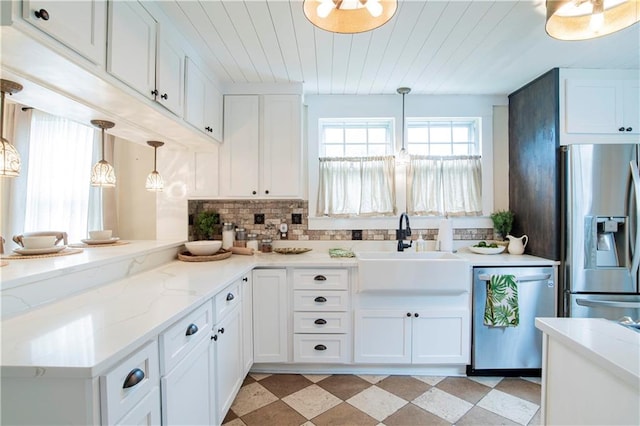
(410, 272)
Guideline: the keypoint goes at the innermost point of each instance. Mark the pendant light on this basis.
(154, 180)
(9, 156)
(103, 174)
(349, 16)
(403, 154)
(587, 19)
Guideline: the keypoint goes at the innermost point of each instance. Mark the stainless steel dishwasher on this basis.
(512, 351)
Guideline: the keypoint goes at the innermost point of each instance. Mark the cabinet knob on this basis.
(154, 92)
(164, 96)
(245, 279)
(214, 337)
(254, 192)
(320, 348)
(208, 129)
(628, 129)
(621, 129)
(266, 192)
(320, 299)
(319, 278)
(134, 377)
(320, 321)
(192, 329)
(408, 314)
(416, 315)
(42, 14)
(221, 330)
(230, 297)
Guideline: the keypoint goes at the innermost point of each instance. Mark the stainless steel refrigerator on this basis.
(601, 238)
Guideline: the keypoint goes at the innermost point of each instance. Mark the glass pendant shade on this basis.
(587, 19)
(349, 16)
(9, 156)
(102, 173)
(403, 155)
(154, 180)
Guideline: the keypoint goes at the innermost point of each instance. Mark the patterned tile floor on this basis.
(362, 400)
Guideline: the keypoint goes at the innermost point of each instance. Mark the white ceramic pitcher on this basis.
(517, 244)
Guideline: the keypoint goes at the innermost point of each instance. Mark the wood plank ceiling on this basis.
(434, 47)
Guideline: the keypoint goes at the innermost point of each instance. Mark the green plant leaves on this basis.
(501, 307)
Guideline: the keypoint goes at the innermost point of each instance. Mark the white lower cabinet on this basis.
(147, 412)
(270, 315)
(246, 296)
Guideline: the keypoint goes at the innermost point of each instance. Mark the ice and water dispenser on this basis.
(606, 242)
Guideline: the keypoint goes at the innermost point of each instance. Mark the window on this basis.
(356, 168)
(438, 137)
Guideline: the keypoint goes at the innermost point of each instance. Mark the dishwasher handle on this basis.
(607, 304)
(524, 278)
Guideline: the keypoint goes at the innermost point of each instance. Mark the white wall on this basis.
(500, 157)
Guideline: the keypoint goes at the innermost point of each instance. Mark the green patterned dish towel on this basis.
(501, 307)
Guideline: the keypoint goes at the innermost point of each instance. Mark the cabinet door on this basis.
(593, 106)
(80, 25)
(270, 315)
(631, 106)
(239, 153)
(147, 412)
(188, 390)
(213, 111)
(281, 146)
(203, 102)
(382, 337)
(170, 73)
(131, 55)
(228, 361)
(246, 291)
(441, 337)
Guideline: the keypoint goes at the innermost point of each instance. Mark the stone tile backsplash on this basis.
(241, 213)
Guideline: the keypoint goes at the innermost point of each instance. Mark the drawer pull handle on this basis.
(320, 321)
(230, 297)
(320, 348)
(133, 378)
(192, 329)
(221, 330)
(42, 14)
(319, 278)
(320, 299)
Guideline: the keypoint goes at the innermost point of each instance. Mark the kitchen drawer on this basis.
(320, 322)
(147, 412)
(320, 348)
(226, 300)
(328, 279)
(325, 300)
(184, 335)
(141, 371)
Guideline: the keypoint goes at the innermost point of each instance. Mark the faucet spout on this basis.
(402, 234)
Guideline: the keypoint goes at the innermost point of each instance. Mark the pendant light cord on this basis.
(403, 122)
(155, 158)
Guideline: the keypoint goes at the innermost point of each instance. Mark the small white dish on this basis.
(101, 235)
(92, 242)
(38, 242)
(203, 247)
(47, 250)
(487, 250)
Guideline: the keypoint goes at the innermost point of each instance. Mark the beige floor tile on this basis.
(406, 387)
(252, 397)
(509, 406)
(248, 380)
(235, 422)
(430, 380)
(371, 378)
(411, 414)
(315, 378)
(480, 417)
(342, 415)
(344, 386)
(282, 385)
(443, 404)
(276, 413)
(486, 380)
(521, 388)
(537, 380)
(259, 376)
(311, 401)
(464, 388)
(376, 402)
(307, 423)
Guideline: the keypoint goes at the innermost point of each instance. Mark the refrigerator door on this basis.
(600, 219)
(608, 306)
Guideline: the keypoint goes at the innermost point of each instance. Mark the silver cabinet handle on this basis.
(607, 304)
(540, 277)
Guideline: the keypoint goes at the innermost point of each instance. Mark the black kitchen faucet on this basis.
(402, 234)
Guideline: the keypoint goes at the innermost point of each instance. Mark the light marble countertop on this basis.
(84, 334)
(614, 347)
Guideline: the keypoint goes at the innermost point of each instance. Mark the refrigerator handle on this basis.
(607, 304)
(635, 261)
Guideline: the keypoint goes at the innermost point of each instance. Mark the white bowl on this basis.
(204, 247)
(40, 242)
(100, 235)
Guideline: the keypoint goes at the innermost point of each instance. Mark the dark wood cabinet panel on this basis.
(534, 164)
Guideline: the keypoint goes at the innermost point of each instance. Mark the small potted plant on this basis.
(206, 224)
(502, 223)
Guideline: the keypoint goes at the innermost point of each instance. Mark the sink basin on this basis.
(410, 272)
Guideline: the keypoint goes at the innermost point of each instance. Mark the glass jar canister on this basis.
(252, 241)
(266, 245)
(241, 238)
(228, 235)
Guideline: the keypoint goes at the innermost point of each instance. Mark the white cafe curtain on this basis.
(356, 186)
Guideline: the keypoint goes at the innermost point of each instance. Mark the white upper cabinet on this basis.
(203, 103)
(261, 153)
(80, 25)
(141, 55)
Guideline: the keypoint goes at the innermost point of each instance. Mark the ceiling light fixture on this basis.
(9, 156)
(587, 19)
(103, 174)
(403, 154)
(154, 180)
(349, 16)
